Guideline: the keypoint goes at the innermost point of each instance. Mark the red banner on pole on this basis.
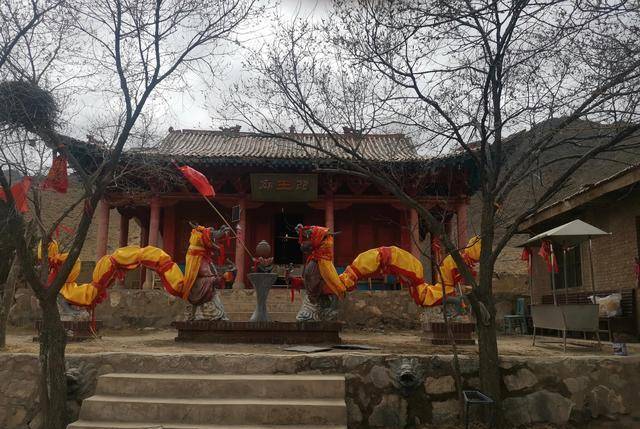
(526, 256)
(198, 180)
(19, 192)
(57, 177)
(549, 257)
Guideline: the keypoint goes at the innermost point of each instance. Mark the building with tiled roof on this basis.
(268, 184)
(613, 205)
(243, 148)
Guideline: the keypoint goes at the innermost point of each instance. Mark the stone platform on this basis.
(580, 390)
(258, 332)
(77, 330)
(436, 333)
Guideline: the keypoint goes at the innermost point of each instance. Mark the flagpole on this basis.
(211, 204)
(229, 225)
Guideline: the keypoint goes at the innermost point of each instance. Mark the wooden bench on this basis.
(624, 324)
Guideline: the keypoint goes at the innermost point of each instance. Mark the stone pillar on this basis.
(240, 253)
(124, 230)
(461, 219)
(154, 233)
(102, 238)
(414, 228)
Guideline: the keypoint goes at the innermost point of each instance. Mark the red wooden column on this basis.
(124, 238)
(328, 211)
(461, 219)
(102, 238)
(240, 253)
(154, 233)
(169, 230)
(124, 230)
(414, 226)
(144, 241)
(328, 214)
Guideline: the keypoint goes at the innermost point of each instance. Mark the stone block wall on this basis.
(577, 391)
(380, 310)
(370, 310)
(137, 308)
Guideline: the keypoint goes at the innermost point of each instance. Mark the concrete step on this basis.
(222, 411)
(274, 292)
(280, 299)
(222, 386)
(251, 308)
(243, 316)
(83, 424)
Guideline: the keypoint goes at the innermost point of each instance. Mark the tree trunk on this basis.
(53, 383)
(489, 360)
(490, 380)
(7, 300)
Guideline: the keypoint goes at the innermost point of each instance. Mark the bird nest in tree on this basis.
(26, 105)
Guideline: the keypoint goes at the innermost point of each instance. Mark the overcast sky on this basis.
(195, 107)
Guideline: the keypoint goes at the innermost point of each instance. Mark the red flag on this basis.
(526, 256)
(19, 192)
(57, 176)
(549, 257)
(198, 180)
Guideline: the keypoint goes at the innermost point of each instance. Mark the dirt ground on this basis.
(409, 342)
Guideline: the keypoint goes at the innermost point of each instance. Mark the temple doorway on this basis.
(287, 251)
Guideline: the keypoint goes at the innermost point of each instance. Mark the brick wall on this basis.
(54, 204)
(613, 256)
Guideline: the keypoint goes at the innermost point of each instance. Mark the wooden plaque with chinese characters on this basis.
(284, 187)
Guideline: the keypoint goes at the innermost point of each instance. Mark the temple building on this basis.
(265, 186)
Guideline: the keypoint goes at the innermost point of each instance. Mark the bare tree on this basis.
(461, 76)
(141, 48)
(34, 45)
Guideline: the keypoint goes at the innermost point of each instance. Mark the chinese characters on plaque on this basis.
(284, 187)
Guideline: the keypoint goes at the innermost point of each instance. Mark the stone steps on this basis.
(239, 305)
(250, 306)
(119, 425)
(222, 386)
(243, 316)
(212, 401)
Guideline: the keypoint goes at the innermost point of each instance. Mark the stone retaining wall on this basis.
(556, 390)
(136, 308)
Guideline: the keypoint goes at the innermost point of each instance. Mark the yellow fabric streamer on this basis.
(127, 258)
(389, 260)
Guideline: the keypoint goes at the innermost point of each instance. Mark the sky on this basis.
(196, 106)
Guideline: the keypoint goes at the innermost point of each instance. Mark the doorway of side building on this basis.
(287, 251)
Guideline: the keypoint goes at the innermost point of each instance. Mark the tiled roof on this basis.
(218, 146)
(622, 179)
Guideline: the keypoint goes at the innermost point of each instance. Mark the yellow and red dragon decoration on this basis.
(113, 267)
(379, 261)
(384, 260)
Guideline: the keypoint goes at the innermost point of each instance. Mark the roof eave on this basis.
(613, 183)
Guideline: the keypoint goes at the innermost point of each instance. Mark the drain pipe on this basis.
(408, 375)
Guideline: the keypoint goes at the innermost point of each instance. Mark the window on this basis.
(574, 268)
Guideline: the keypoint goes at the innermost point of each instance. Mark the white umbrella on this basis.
(568, 235)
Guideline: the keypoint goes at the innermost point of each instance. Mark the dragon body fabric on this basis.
(318, 243)
(113, 266)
